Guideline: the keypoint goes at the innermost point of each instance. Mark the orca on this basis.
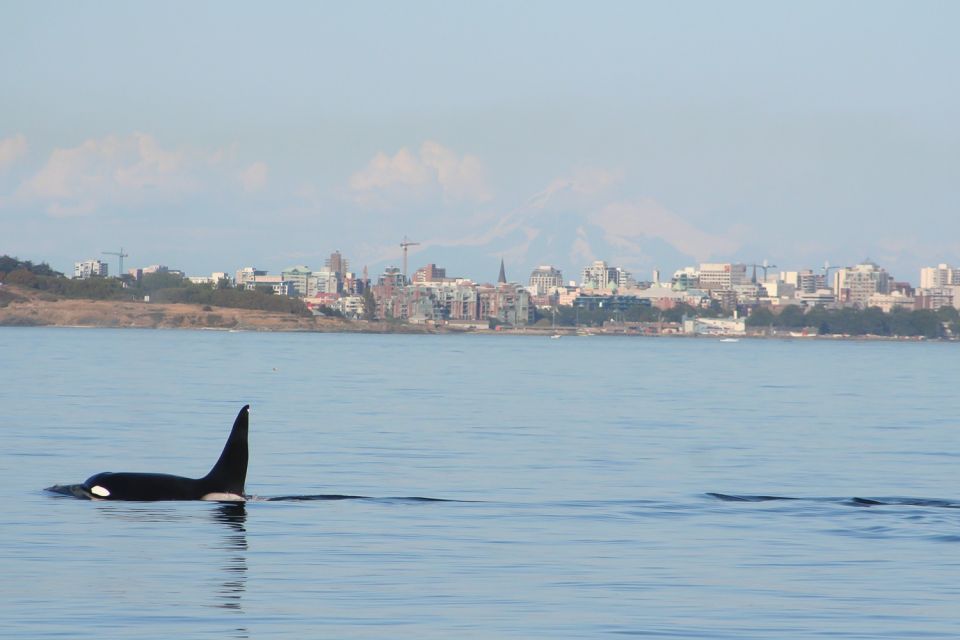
(225, 482)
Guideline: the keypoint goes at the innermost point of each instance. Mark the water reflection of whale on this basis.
(234, 517)
(227, 521)
(853, 502)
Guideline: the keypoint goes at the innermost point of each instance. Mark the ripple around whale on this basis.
(79, 491)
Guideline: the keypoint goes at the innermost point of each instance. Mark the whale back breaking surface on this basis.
(225, 481)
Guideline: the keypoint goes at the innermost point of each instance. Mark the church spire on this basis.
(502, 279)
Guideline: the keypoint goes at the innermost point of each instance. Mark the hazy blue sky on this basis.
(214, 135)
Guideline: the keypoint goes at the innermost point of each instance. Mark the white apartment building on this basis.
(942, 275)
(722, 275)
(89, 269)
(599, 276)
(214, 278)
(277, 284)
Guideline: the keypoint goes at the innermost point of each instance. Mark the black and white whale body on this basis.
(225, 482)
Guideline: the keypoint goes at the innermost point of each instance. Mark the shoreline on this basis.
(27, 308)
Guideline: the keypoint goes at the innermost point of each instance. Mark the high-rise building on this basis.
(601, 277)
(337, 263)
(429, 273)
(856, 284)
(942, 275)
(545, 278)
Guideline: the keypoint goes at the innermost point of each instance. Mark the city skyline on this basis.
(209, 137)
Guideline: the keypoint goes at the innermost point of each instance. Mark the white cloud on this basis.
(625, 222)
(128, 171)
(406, 175)
(254, 177)
(11, 149)
(462, 178)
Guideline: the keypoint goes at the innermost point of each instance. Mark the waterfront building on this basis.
(506, 303)
(721, 275)
(89, 269)
(715, 326)
(453, 300)
(615, 303)
(545, 279)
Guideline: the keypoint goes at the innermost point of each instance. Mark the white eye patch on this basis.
(99, 491)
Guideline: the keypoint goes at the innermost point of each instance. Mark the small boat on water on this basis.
(729, 339)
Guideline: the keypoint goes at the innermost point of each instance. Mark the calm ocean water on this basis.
(578, 473)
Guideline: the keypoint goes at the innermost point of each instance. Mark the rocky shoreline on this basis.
(26, 308)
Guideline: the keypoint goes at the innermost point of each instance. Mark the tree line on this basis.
(860, 322)
(160, 287)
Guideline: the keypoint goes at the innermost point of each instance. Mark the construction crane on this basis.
(121, 255)
(403, 245)
(764, 265)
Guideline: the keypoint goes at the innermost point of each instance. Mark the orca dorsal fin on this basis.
(230, 473)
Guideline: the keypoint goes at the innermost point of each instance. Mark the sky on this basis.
(209, 136)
